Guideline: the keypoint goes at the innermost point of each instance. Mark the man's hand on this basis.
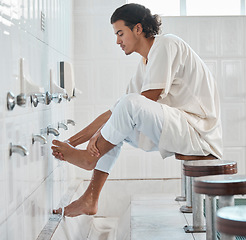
(91, 147)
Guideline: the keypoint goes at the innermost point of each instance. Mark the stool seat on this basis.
(232, 220)
(221, 185)
(193, 157)
(209, 167)
(184, 181)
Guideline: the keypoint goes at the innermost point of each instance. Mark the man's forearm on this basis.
(85, 134)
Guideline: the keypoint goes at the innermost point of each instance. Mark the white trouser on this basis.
(136, 120)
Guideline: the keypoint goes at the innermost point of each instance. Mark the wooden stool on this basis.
(194, 169)
(231, 221)
(185, 158)
(224, 186)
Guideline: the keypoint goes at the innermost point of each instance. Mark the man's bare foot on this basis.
(88, 202)
(80, 158)
(82, 206)
(58, 156)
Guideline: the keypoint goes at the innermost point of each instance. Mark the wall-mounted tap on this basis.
(62, 125)
(18, 149)
(53, 131)
(20, 100)
(38, 138)
(44, 98)
(70, 121)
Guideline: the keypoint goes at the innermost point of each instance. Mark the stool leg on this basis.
(197, 209)
(210, 217)
(225, 201)
(188, 207)
(183, 191)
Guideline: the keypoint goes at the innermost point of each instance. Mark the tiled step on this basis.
(157, 217)
(103, 228)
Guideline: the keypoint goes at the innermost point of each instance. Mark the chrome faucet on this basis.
(70, 121)
(62, 125)
(20, 100)
(38, 138)
(53, 131)
(57, 97)
(18, 149)
(44, 98)
(37, 98)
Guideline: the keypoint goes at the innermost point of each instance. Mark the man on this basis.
(171, 106)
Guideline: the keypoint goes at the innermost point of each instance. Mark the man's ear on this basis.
(139, 28)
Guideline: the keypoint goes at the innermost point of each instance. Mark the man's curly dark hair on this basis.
(133, 13)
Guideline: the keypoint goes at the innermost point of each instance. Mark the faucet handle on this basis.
(57, 97)
(37, 98)
(48, 98)
(44, 98)
(21, 100)
(10, 101)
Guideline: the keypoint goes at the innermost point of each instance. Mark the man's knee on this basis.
(130, 100)
(130, 105)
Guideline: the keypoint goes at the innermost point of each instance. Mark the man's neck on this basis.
(145, 46)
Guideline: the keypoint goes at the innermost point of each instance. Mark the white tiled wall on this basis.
(103, 71)
(32, 186)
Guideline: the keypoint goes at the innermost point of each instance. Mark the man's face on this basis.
(126, 38)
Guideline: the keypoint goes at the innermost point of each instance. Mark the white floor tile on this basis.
(157, 217)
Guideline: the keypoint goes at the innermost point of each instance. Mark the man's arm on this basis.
(152, 94)
(85, 134)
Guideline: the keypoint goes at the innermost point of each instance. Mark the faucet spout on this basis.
(38, 138)
(62, 125)
(18, 149)
(53, 131)
(70, 121)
